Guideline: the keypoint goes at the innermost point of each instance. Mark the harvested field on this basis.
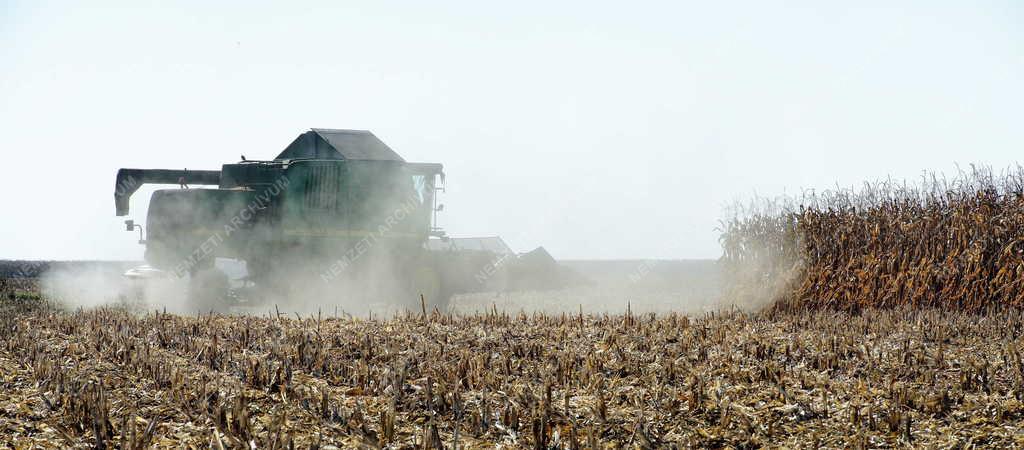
(109, 378)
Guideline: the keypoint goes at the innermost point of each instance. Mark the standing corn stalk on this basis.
(945, 243)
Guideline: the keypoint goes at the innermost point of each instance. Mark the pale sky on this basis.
(595, 129)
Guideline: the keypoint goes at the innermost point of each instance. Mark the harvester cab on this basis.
(338, 212)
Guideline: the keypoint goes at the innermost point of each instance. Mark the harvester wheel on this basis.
(208, 289)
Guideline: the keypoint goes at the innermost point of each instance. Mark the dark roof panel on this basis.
(323, 143)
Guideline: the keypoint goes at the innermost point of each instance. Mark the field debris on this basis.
(110, 378)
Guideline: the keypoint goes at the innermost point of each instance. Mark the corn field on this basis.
(110, 378)
(954, 244)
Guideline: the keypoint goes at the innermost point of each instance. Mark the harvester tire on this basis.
(208, 289)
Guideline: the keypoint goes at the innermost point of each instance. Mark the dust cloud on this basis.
(91, 285)
(370, 284)
(615, 287)
(373, 290)
(756, 283)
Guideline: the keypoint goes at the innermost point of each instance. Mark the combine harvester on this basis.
(337, 213)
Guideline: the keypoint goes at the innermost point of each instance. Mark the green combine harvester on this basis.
(337, 212)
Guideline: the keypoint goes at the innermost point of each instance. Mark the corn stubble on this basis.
(108, 378)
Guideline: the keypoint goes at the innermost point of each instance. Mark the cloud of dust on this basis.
(100, 285)
(761, 253)
(615, 287)
(754, 283)
(90, 285)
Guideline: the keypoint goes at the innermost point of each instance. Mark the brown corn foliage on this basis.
(951, 244)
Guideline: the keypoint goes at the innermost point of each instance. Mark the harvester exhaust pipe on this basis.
(130, 180)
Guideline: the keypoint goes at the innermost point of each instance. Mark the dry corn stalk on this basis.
(952, 244)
